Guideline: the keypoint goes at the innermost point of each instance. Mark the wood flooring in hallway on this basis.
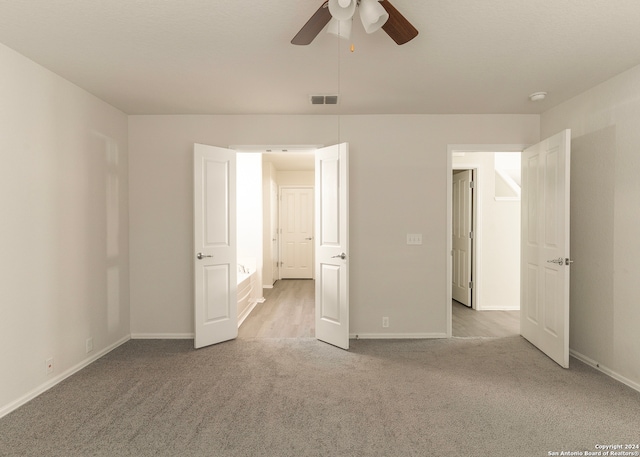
(289, 312)
(468, 323)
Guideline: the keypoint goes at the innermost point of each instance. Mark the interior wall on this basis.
(269, 223)
(605, 191)
(296, 178)
(398, 179)
(498, 229)
(64, 246)
(249, 215)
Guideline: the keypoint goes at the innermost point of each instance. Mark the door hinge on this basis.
(472, 184)
(471, 234)
(470, 284)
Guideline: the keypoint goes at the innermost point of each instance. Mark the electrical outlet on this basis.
(89, 345)
(385, 322)
(49, 365)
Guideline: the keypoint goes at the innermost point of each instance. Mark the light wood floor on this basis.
(467, 322)
(289, 312)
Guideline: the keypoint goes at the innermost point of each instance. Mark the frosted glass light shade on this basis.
(372, 14)
(340, 28)
(340, 12)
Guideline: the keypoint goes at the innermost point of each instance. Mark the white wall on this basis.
(249, 216)
(296, 178)
(269, 223)
(605, 212)
(64, 245)
(498, 229)
(398, 174)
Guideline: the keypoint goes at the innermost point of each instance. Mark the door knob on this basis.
(309, 239)
(341, 256)
(568, 261)
(559, 261)
(201, 256)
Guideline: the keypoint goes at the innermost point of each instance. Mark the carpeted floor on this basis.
(301, 397)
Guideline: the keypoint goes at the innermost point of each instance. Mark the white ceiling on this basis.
(235, 56)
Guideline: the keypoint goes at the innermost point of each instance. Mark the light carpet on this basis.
(301, 397)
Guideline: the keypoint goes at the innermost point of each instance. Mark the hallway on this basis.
(469, 323)
(289, 312)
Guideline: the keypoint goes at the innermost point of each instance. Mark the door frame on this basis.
(456, 148)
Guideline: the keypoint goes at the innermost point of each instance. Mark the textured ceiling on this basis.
(235, 56)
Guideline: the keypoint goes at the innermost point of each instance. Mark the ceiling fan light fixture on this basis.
(341, 29)
(340, 12)
(372, 15)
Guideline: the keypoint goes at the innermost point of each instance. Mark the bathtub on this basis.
(246, 303)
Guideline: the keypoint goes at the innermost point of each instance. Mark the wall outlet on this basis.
(89, 345)
(49, 365)
(385, 322)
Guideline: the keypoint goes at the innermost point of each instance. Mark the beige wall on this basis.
(64, 244)
(296, 178)
(605, 212)
(398, 177)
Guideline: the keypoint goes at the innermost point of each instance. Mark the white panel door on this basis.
(544, 313)
(332, 245)
(296, 222)
(216, 315)
(461, 236)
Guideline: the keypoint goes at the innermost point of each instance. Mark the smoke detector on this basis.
(537, 96)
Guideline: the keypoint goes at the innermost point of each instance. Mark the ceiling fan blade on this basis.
(397, 27)
(313, 26)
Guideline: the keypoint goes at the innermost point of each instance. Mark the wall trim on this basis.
(162, 336)
(609, 372)
(497, 308)
(243, 316)
(42, 388)
(396, 336)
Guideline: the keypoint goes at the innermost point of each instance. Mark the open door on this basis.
(544, 312)
(332, 245)
(215, 265)
(462, 198)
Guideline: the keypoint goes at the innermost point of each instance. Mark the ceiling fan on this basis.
(339, 15)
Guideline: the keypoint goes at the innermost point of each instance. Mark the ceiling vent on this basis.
(324, 99)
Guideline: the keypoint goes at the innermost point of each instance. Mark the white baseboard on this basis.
(162, 336)
(618, 377)
(396, 336)
(492, 308)
(59, 378)
(246, 312)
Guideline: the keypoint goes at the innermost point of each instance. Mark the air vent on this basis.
(323, 99)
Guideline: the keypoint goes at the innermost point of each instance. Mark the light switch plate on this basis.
(414, 238)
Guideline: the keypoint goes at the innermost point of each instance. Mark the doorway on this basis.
(287, 189)
(493, 237)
